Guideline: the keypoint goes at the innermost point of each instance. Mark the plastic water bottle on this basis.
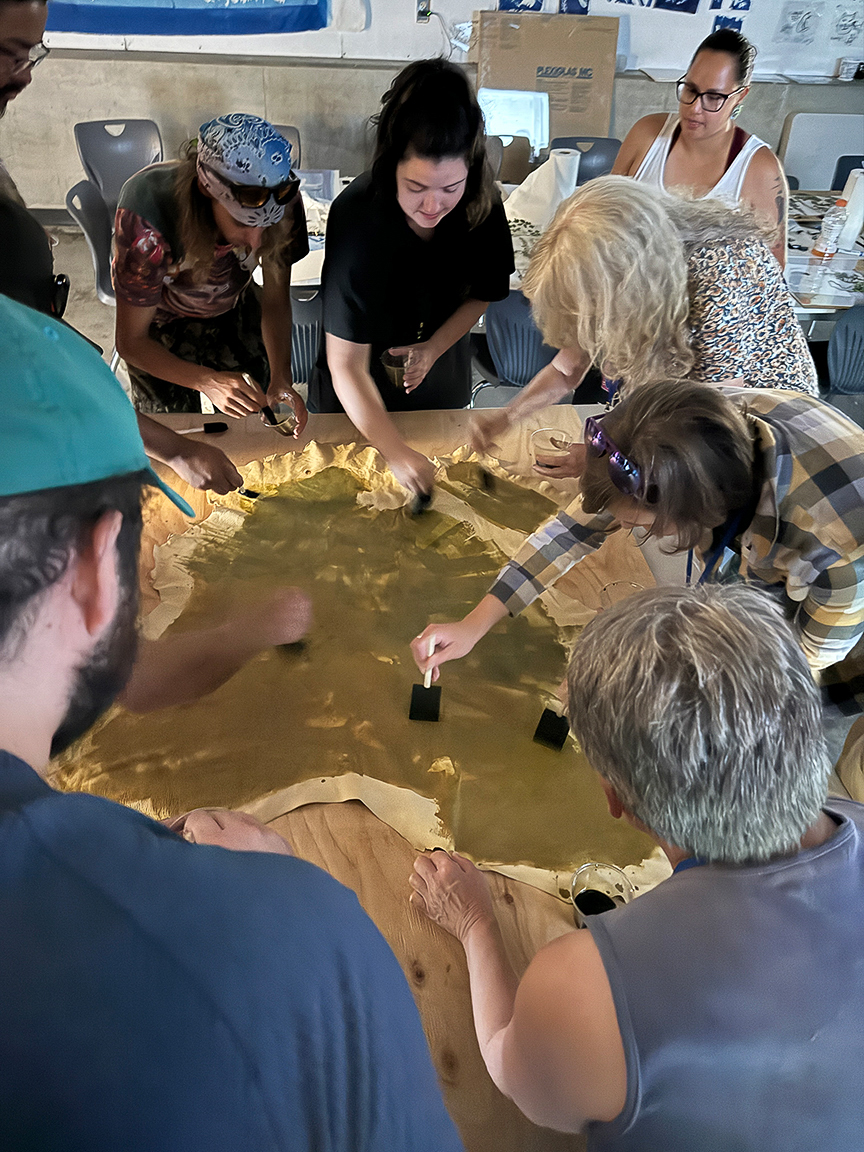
(832, 226)
(824, 247)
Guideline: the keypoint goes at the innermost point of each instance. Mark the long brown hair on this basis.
(694, 449)
(430, 109)
(199, 234)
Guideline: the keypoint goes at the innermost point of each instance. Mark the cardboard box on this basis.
(570, 57)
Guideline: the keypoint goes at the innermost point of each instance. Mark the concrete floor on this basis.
(96, 321)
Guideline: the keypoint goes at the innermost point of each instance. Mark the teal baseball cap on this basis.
(64, 417)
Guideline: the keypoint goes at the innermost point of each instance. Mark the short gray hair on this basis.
(698, 706)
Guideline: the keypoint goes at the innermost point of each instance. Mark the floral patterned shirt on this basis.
(743, 321)
(148, 266)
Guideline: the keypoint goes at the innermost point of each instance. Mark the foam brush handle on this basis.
(430, 652)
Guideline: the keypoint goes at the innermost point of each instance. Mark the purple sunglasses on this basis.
(623, 472)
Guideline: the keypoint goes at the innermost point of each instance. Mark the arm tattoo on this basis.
(780, 199)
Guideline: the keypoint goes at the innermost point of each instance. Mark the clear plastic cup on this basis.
(617, 590)
(286, 420)
(395, 367)
(597, 888)
(549, 446)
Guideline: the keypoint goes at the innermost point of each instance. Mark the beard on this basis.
(104, 675)
(7, 95)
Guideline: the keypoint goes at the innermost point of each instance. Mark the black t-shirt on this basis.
(385, 286)
(26, 261)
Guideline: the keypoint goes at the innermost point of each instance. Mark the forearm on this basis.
(452, 330)
(362, 402)
(485, 616)
(276, 320)
(178, 669)
(493, 992)
(160, 442)
(547, 388)
(144, 353)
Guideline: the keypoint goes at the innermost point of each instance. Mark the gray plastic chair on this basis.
(113, 150)
(515, 344)
(292, 135)
(495, 154)
(87, 208)
(846, 353)
(844, 166)
(598, 154)
(306, 307)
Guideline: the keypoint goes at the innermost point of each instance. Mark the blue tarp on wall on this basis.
(186, 17)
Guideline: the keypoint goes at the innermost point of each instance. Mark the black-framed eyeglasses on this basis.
(35, 56)
(710, 101)
(624, 473)
(257, 195)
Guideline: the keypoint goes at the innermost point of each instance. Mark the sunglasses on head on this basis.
(257, 195)
(623, 472)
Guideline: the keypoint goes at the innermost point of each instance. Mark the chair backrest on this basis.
(845, 164)
(515, 161)
(793, 183)
(598, 154)
(292, 135)
(515, 343)
(87, 208)
(846, 352)
(495, 153)
(811, 142)
(321, 183)
(307, 311)
(113, 150)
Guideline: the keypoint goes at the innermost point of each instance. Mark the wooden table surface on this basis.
(368, 856)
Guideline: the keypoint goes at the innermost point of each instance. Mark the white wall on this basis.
(648, 38)
(391, 33)
(660, 39)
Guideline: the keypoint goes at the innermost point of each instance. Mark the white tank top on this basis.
(728, 187)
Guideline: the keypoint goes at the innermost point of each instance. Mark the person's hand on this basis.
(414, 471)
(226, 829)
(285, 394)
(486, 427)
(205, 466)
(234, 393)
(284, 617)
(420, 358)
(452, 642)
(571, 465)
(451, 891)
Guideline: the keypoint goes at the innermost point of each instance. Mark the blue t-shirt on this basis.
(160, 995)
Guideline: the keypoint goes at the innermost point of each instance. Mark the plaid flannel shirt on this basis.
(807, 532)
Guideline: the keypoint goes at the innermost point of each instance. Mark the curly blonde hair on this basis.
(610, 275)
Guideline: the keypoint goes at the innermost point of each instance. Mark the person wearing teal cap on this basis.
(155, 993)
(67, 423)
(66, 419)
(27, 266)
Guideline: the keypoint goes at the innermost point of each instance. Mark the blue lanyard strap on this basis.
(715, 554)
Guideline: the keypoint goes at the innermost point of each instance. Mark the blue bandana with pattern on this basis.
(244, 149)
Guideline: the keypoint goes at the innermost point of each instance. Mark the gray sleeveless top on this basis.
(740, 998)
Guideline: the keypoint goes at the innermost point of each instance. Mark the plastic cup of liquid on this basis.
(549, 446)
(286, 420)
(395, 367)
(617, 590)
(597, 888)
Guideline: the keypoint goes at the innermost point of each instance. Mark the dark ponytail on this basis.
(735, 45)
